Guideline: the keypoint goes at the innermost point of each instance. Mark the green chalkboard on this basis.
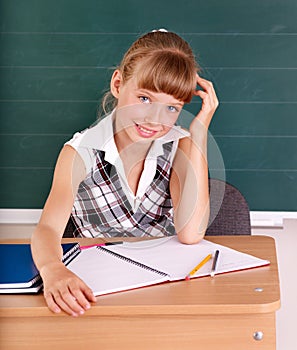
(57, 58)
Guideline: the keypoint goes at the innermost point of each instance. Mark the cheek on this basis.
(165, 130)
(151, 113)
(127, 114)
(168, 120)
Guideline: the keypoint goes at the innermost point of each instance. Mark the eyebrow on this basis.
(150, 95)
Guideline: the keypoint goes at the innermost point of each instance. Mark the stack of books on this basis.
(18, 274)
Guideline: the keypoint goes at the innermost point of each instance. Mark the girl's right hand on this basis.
(63, 290)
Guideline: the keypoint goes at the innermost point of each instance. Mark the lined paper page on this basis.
(177, 259)
(104, 273)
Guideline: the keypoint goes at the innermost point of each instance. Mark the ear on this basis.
(115, 83)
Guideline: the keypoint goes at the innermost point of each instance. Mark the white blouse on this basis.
(101, 137)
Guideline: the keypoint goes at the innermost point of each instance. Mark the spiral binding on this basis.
(71, 254)
(122, 257)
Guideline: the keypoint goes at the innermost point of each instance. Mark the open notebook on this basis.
(116, 268)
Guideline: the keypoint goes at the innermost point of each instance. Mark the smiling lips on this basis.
(144, 132)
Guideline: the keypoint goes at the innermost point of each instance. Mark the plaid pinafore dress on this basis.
(101, 208)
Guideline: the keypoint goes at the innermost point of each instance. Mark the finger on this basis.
(75, 301)
(83, 297)
(208, 99)
(81, 300)
(51, 303)
(63, 306)
(68, 303)
(89, 294)
(82, 292)
(206, 86)
(202, 94)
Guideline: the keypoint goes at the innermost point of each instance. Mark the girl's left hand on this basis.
(209, 101)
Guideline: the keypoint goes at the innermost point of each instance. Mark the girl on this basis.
(135, 173)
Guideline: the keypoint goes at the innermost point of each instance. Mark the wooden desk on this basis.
(220, 313)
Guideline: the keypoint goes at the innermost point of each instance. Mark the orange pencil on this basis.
(195, 269)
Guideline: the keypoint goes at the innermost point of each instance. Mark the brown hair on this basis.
(161, 62)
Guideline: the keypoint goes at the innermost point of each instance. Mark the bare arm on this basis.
(189, 179)
(62, 289)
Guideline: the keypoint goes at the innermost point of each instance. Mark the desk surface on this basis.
(231, 293)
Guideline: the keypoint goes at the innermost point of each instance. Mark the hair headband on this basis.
(160, 30)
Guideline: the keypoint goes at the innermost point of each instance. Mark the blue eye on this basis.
(144, 99)
(172, 109)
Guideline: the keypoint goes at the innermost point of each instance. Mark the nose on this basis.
(154, 113)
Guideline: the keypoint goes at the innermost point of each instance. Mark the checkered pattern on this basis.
(101, 208)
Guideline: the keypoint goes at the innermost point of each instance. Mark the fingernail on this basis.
(74, 314)
(87, 306)
(81, 312)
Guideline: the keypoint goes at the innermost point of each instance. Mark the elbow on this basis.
(193, 231)
(189, 241)
(191, 237)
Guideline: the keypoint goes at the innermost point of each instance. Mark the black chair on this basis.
(229, 211)
(70, 229)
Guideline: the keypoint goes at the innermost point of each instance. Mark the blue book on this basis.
(18, 272)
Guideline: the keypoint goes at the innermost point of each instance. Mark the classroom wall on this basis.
(57, 57)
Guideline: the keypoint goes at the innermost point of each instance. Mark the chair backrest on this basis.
(229, 211)
(70, 229)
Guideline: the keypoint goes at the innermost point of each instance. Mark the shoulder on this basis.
(94, 138)
(70, 169)
(184, 145)
(70, 158)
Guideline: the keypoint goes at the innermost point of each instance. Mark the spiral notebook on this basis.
(109, 269)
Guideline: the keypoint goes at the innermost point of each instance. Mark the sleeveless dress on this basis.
(102, 207)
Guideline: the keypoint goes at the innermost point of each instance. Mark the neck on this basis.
(133, 156)
(128, 147)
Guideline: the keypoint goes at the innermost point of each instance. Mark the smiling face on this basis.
(156, 76)
(142, 115)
